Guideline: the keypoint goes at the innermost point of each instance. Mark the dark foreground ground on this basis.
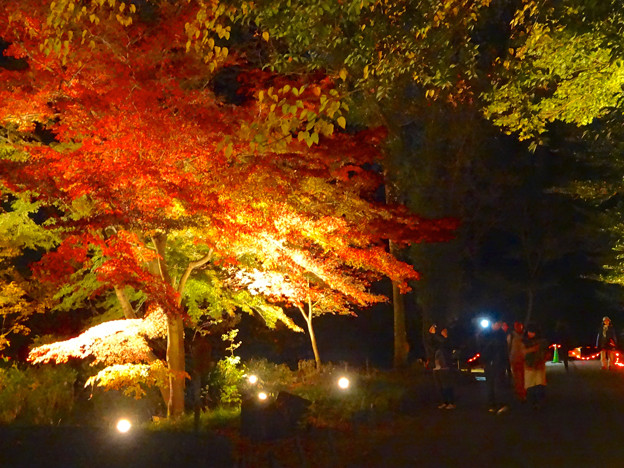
(582, 425)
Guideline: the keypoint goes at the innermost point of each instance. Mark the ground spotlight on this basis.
(343, 383)
(262, 396)
(123, 425)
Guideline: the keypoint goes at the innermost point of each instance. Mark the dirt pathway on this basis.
(580, 426)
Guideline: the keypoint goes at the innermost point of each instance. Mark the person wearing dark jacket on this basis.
(443, 370)
(495, 357)
(606, 342)
(430, 343)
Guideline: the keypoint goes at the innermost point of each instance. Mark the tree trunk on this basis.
(175, 361)
(125, 303)
(174, 395)
(308, 319)
(175, 340)
(401, 345)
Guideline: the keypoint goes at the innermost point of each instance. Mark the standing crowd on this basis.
(514, 361)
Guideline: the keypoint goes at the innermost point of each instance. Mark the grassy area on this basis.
(219, 418)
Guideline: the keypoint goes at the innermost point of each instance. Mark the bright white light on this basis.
(252, 379)
(123, 425)
(262, 396)
(485, 323)
(343, 383)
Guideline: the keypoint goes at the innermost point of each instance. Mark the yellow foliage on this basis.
(131, 378)
(15, 309)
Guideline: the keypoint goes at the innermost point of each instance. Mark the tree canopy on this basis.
(164, 188)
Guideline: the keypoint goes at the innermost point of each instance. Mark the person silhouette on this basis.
(495, 357)
(606, 342)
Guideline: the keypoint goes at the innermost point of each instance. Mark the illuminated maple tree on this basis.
(164, 186)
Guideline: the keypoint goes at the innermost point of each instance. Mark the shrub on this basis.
(368, 396)
(226, 379)
(274, 376)
(36, 395)
(13, 391)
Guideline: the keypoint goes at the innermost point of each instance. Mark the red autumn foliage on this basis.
(144, 147)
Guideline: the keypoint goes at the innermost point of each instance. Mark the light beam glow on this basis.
(343, 383)
(123, 425)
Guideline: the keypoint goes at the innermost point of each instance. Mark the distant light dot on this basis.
(343, 383)
(123, 425)
(485, 323)
(262, 396)
(252, 379)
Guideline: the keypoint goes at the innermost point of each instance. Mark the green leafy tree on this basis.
(20, 234)
(564, 63)
(564, 66)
